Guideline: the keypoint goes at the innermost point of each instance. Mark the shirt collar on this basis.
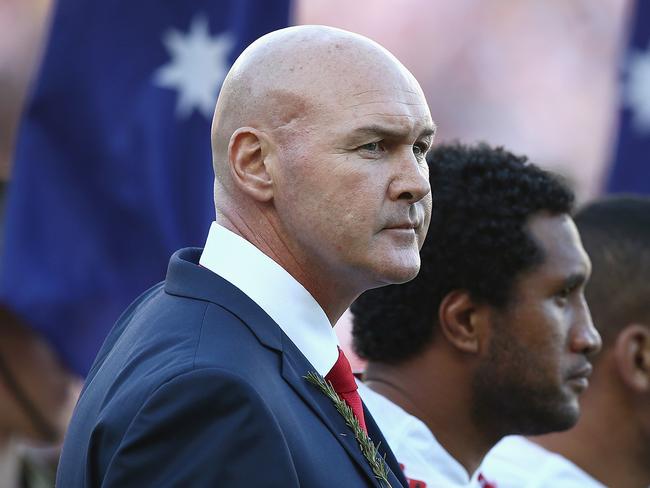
(269, 285)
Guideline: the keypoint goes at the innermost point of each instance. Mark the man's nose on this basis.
(411, 181)
(585, 338)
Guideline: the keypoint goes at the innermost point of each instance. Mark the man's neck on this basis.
(333, 293)
(440, 402)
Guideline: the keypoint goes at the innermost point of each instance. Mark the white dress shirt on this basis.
(269, 285)
(516, 462)
(414, 445)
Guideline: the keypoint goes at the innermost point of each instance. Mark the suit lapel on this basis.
(396, 476)
(294, 367)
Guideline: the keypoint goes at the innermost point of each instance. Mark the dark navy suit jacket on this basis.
(196, 386)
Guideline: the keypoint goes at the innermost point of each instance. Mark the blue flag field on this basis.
(112, 171)
(630, 171)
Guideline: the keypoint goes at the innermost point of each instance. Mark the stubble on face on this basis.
(514, 392)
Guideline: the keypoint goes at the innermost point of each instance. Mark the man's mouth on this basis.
(582, 372)
(406, 225)
(579, 378)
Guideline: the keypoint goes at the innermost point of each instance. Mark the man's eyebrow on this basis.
(574, 280)
(391, 132)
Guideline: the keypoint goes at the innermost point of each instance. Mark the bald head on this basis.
(284, 78)
(319, 141)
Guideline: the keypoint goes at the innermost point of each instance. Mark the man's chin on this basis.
(557, 419)
(397, 276)
(526, 412)
(401, 269)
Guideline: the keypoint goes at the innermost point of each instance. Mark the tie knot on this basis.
(341, 375)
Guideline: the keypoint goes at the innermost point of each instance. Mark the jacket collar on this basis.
(187, 279)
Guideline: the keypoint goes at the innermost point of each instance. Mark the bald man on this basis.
(321, 192)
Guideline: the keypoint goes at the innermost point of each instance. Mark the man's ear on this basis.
(463, 321)
(247, 153)
(632, 353)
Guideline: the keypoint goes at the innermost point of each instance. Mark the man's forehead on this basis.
(403, 94)
(548, 229)
(393, 108)
(559, 241)
(394, 100)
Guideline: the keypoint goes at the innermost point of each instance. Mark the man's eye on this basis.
(371, 146)
(564, 293)
(419, 150)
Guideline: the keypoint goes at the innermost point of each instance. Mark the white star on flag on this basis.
(198, 65)
(637, 90)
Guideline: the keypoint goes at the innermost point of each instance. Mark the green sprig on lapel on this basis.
(368, 448)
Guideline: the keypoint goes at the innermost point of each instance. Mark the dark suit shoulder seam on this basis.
(198, 337)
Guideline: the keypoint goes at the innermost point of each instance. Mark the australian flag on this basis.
(112, 171)
(631, 167)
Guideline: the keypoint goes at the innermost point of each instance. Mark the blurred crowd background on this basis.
(542, 78)
(537, 77)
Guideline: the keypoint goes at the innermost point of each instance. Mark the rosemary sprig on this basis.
(368, 448)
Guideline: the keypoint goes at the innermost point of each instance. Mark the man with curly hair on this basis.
(610, 445)
(494, 336)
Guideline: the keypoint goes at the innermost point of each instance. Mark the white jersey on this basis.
(424, 461)
(516, 462)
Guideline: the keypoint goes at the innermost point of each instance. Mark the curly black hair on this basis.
(477, 241)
